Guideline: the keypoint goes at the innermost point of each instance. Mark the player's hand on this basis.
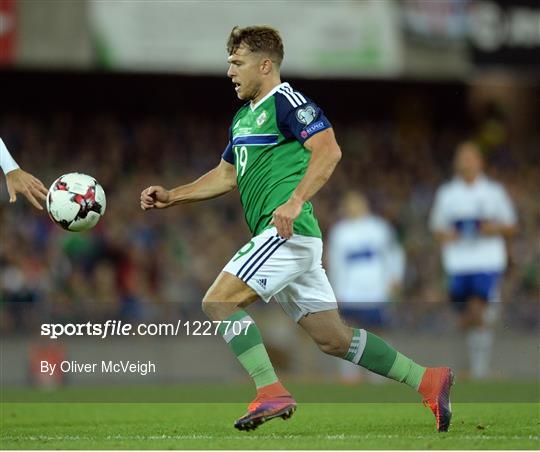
(154, 197)
(284, 216)
(489, 228)
(19, 181)
(447, 236)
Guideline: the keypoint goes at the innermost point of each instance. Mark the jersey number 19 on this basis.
(241, 155)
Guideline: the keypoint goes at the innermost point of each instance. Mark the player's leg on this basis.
(224, 302)
(350, 373)
(479, 312)
(371, 352)
(311, 302)
(361, 347)
(256, 271)
(469, 294)
(374, 317)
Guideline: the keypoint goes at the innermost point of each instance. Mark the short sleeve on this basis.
(228, 154)
(437, 218)
(299, 117)
(506, 213)
(7, 162)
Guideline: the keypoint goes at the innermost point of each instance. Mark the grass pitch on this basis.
(43, 424)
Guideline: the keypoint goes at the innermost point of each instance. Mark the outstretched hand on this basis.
(154, 197)
(19, 181)
(284, 216)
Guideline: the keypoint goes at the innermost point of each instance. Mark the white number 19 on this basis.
(241, 155)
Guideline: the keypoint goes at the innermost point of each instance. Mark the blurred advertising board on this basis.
(505, 33)
(342, 38)
(431, 29)
(443, 20)
(8, 26)
(52, 34)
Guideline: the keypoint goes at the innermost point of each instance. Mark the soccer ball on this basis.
(76, 202)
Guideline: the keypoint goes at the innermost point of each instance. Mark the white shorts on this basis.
(289, 270)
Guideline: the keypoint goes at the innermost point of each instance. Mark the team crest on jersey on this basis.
(306, 115)
(262, 117)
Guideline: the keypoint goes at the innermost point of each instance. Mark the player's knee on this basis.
(210, 306)
(216, 306)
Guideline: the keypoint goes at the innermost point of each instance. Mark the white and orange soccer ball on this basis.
(76, 202)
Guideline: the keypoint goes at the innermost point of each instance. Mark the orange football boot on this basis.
(272, 401)
(435, 387)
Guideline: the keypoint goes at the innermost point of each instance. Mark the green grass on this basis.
(330, 425)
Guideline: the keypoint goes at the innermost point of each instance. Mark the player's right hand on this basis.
(19, 181)
(154, 196)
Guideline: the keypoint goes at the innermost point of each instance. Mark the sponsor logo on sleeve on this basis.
(313, 128)
(306, 115)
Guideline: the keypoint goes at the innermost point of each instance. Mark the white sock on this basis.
(480, 343)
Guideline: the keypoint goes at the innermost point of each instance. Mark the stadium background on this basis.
(136, 94)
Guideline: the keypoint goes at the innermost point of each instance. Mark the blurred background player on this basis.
(19, 181)
(471, 218)
(366, 268)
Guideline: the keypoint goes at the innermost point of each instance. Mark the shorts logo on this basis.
(306, 115)
(262, 117)
(261, 282)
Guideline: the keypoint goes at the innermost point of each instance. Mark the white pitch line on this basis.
(340, 437)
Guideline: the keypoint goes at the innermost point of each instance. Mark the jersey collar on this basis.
(271, 93)
(480, 179)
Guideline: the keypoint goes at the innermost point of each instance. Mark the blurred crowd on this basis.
(155, 265)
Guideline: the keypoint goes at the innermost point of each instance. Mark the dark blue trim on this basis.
(228, 154)
(256, 269)
(255, 140)
(360, 255)
(253, 255)
(261, 255)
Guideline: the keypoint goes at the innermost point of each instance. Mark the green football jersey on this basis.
(266, 145)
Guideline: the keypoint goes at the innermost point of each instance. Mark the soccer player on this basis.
(19, 181)
(366, 266)
(281, 151)
(471, 218)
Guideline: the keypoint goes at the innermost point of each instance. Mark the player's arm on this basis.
(325, 154)
(505, 230)
(438, 222)
(445, 235)
(19, 181)
(217, 182)
(505, 223)
(394, 259)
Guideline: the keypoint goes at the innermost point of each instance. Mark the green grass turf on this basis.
(331, 425)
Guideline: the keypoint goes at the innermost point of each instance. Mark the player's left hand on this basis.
(284, 216)
(19, 181)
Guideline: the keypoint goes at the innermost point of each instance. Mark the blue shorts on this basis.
(464, 286)
(374, 315)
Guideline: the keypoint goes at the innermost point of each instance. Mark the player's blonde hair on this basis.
(258, 38)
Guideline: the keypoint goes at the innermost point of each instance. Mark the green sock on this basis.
(370, 351)
(244, 339)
